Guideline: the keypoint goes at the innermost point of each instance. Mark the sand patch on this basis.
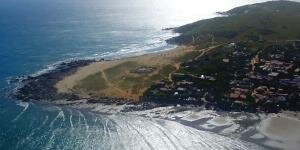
(284, 129)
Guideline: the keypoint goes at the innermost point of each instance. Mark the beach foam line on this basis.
(155, 43)
(22, 104)
(173, 135)
(59, 115)
(17, 81)
(70, 119)
(80, 115)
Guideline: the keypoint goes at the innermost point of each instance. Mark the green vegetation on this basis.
(93, 82)
(135, 84)
(275, 20)
(187, 56)
(115, 73)
(123, 79)
(225, 78)
(210, 63)
(162, 74)
(166, 70)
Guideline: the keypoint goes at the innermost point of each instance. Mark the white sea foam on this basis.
(70, 119)
(59, 115)
(25, 106)
(155, 43)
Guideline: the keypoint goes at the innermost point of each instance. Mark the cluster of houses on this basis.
(238, 93)
(275, 81)
(272, 81)
(291, 82)
(275, 67)
(240, 85)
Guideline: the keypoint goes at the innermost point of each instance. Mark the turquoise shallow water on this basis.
(36, 34)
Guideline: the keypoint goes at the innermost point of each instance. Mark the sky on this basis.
(187, 10)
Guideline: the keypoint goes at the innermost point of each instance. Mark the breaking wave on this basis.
(65, 128)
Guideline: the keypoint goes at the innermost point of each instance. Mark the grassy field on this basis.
(136, 83)
(188, 56)
(92, 83)
(115, 73)
(119, 78)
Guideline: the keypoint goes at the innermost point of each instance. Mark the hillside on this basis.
(274, 20)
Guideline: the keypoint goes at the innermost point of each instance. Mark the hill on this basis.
(274, 20)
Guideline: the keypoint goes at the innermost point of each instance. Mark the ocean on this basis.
(36, 35)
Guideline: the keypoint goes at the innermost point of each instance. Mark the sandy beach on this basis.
(271, 131)
(282, 130)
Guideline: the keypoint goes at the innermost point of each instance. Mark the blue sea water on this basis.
(36, 34)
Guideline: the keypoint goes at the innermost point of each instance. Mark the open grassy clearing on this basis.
(127, 78)
(92, 83)
(113, 74)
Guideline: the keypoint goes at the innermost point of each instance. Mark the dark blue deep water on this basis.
(36, 34)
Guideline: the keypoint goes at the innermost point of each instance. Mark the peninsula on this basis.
(246, 60)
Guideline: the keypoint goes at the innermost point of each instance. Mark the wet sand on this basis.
(271, 131)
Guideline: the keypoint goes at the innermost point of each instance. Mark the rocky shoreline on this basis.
(42, 88)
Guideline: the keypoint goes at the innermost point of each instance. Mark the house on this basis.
(181, 89)
(232, 45)
(159, 83)
(202, 77)
(211, 78)
(184, 83)
(225, 60)
(238, 93)
(273, 74)
(297, 44)
(275, 65)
